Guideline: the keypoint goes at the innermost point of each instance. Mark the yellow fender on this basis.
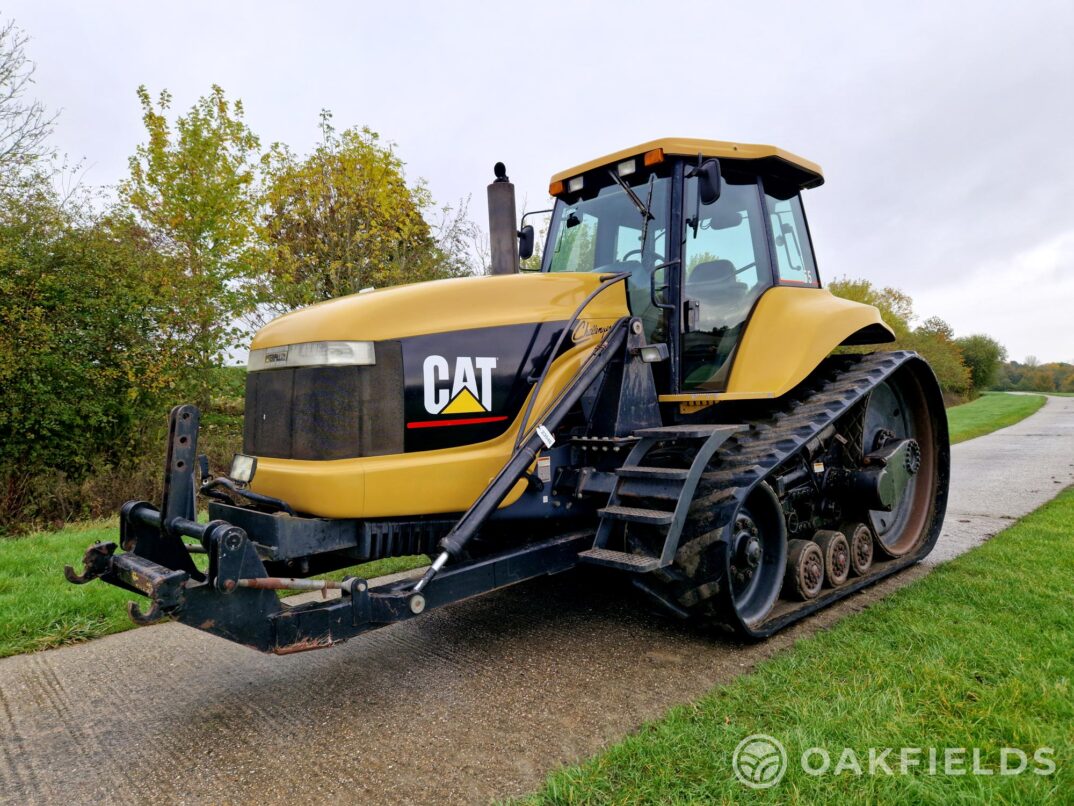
(791, 331)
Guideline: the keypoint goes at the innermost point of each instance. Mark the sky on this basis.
(944, 129)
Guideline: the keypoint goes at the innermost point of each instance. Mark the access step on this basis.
(662, 473)
(699, 431)
(622, 560)
(652, 517)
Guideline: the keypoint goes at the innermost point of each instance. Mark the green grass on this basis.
(39, 609)
(989, 412)
(980, 653)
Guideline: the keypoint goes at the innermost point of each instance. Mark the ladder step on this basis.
(643, 487)
(662, 473)
(700, 431)
(624, 561)
(653, 517)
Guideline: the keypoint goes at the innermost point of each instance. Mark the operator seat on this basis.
(715, 285)
(724, 303)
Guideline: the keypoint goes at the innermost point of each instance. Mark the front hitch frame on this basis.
(235, 597)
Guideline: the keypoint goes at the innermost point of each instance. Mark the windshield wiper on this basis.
(645, 214)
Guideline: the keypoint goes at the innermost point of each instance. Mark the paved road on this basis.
(471, 703)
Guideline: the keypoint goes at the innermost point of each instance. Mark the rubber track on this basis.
(746, 459)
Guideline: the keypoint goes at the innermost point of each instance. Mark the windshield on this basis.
(603, 232)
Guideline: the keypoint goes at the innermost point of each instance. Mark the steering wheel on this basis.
(640, 253)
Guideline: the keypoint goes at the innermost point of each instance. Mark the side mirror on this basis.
(708, 181)
(525, 242)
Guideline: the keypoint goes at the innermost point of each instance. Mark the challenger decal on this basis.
(586, 330)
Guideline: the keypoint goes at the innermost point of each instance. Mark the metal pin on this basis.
(438, 563)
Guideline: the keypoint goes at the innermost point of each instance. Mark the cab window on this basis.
(600, 229)
(790, 240)
(726, 270)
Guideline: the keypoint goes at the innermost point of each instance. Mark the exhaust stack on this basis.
(503, 232)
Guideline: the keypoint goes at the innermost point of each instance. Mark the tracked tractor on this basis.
(672, 397)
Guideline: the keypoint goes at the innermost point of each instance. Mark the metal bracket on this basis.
(178, 501)
(361, 607)
(96, 562)
(233, 556)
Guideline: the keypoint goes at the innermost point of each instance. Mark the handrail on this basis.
(606, 284)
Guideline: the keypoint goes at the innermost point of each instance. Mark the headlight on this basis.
(313, 354)
(243, 468)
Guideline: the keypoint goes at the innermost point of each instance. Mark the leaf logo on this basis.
(759, 761)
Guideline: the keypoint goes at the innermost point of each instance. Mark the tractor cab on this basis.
(703, 227)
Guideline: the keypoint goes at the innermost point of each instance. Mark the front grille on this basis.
(327, 412)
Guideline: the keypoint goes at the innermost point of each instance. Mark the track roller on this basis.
(860, 538)
(805, 570)
(836, 550)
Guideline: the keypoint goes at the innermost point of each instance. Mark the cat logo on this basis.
(465, 388)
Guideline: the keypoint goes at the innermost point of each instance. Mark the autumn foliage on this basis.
(114, 305)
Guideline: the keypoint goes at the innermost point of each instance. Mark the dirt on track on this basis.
(476, 702)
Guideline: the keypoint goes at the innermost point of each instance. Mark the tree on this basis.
(983, 355)
(935, 327)
(193, 191)
(24, 124)
(80, 363)
(344, 218)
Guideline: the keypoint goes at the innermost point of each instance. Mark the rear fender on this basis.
(791, 331)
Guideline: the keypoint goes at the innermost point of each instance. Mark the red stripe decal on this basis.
(467, 421)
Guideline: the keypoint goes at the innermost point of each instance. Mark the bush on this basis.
(1032, 376)
(86, 378)
(78, 364)
(982, 355)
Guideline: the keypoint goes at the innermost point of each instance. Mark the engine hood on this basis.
(444, 306)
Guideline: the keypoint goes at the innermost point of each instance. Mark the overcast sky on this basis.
(945, 129)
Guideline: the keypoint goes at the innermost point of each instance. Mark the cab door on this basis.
(726, 267)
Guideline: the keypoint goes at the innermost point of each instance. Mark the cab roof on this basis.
(773, 161)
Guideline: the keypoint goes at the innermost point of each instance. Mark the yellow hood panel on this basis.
(444, 306)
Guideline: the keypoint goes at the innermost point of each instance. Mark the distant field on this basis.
(990, 412)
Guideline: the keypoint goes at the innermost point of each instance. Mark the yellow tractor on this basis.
(665, 398)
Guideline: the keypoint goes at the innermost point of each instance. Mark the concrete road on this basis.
(475, 702)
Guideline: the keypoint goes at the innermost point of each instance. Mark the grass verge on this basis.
(990, 412)
(978, 654)
(39, 609)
